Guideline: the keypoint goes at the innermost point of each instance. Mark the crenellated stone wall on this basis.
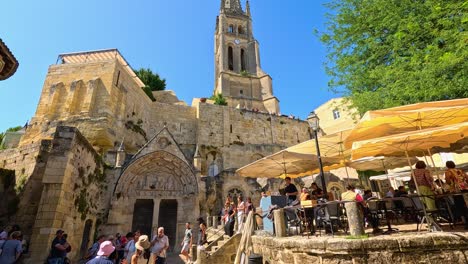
(99, 98)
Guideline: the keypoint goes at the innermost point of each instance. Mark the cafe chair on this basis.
(307, 216)
(329, 218)
(293, 220)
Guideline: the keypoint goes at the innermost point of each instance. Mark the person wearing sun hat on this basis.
(105, 249)
(140, 246)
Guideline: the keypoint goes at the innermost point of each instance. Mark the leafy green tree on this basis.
(387, 53)
(218, 99)
(152, 81)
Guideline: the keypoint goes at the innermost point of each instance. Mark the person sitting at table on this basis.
(456, 180)
(316, 191)
(367, 195)
(290, 190)
(423, 179)
(390, 193)
(351, 195)
(304, 194)
(400, 192)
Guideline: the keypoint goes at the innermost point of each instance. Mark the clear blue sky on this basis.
(172, 37)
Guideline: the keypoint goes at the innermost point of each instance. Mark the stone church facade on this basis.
(100, 157)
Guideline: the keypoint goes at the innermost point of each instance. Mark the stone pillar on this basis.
(208, 220)
(280, 223)
(201, 256)
(355, 219)
(194, 252)
(215, 222)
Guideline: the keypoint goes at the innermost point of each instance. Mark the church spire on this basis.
(231, 7)
(247, 8)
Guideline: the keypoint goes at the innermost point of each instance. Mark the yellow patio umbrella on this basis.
(408, 118)
(379, 163)
(413, 143)
(301, 160)
(330, 146)
(284, 163)
(333, 146)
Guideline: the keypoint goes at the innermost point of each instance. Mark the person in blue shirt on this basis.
(105, 249)
(58, 248)
(11, 249)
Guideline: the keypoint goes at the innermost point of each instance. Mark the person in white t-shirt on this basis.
(159, 246)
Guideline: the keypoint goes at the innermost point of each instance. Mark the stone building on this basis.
(336, 115)
(100, 157)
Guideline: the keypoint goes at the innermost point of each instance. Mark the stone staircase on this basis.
(221, 249)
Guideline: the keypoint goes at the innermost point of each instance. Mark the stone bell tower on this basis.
(238, 74)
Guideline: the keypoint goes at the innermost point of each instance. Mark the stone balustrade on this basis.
(403, 248)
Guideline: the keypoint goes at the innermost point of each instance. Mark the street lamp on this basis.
(313, 121)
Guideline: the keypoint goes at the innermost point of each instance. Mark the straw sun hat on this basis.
(143, 243)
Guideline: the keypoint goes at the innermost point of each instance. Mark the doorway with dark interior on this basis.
(168, 220)
(143, 216)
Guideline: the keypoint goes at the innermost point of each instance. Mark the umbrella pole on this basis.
(430, 221)
(433, 164)
(347, 174)
(386, 172)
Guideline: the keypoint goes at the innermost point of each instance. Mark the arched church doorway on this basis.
(167, 219)
(143, 216)
(156, 189)
(86, 237)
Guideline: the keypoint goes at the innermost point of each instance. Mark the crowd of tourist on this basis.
(235, 211)
(133, 248)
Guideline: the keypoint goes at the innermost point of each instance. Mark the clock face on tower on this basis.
(237, 41)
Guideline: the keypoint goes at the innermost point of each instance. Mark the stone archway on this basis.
(156, 176)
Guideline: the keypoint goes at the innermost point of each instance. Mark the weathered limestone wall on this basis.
(73, 186)
(19, 203)
(418, 248)
(99, 98)
(180, 120)
(241, 136)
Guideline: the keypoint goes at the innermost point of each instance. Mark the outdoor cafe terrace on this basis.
(420, 227)
(328, 233)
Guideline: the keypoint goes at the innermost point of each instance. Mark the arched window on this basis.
(230, 59)
(240, 30)
(242, 60)
(231, 29)
(213, 170)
